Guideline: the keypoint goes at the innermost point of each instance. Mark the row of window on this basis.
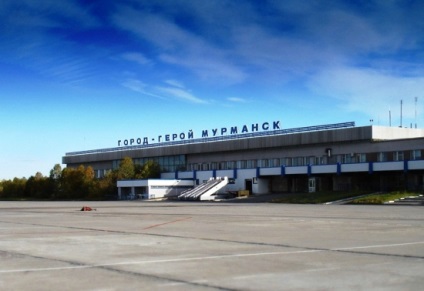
(178, 162)
(399, 156)
(167, 163)
(303, 161)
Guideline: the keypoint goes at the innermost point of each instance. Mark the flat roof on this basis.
(154, 182)
(220, 144)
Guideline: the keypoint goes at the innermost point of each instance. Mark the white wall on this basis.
(388, 166)
(384, 133)
(321, 169)
(363, 167)
(416, 165)
(185, 175)
(297, 170)
(262, 187)
(271, 171)
(203, 176)
(169, 175)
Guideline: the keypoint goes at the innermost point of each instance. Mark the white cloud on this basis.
(236, 99)
(208, 68)
(135, 85)
(369, 91)
(175, 91)
(136, 57)
(180, 47)
(140, 87)
(175, 83)
(181, 94)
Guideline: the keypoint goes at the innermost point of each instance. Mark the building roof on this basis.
(209, 145)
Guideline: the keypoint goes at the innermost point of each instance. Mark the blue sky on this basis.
(80, 75)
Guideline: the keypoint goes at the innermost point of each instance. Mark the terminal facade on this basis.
(334, 157)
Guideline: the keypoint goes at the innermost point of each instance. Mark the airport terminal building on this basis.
(263, 158)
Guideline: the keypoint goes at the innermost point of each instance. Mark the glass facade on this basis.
(167, 163)
(308, 160)
(178, 162)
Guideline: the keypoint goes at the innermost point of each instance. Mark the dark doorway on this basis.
(248, 185)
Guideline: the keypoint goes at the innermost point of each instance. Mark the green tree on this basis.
(76, 183)
(148, 170)
(126, 169)
(54, 181)
(56, 172)
(38, 187)
(104, 188)
(14, 189)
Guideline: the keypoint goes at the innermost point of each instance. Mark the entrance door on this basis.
(248, 185)
(312, 185)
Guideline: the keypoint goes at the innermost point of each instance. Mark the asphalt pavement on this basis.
(139, 245)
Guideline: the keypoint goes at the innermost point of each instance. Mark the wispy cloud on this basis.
(140, 87)
(35, 34)
(236, 100)
(368, 91)
(181, 94)
(175, 83)
(135, 85)
(136, 57)
(175, 90)
(180, 47)
(220, 43)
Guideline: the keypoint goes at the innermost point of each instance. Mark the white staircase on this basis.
(205, 191)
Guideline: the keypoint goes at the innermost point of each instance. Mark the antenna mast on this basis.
(401, 101)
(416, 99)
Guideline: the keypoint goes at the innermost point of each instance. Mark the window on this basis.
(205, 167)
(263, 163)
(416, 155)
(193, 167)
(241, 164)
(382, 157)
(222, 166)
(298, 161)
(115, 164)
(288, 162)
(320, 160)
(347, 158)
(398, 156)
(251, 164)
(362, 158)
(231, 165)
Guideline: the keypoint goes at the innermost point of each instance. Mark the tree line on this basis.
(76, 183)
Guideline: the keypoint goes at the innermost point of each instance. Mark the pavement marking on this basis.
(201, 258)
(173, 221)
(378, 246)
(153, 261)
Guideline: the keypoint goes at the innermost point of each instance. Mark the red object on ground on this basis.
(86, 208)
